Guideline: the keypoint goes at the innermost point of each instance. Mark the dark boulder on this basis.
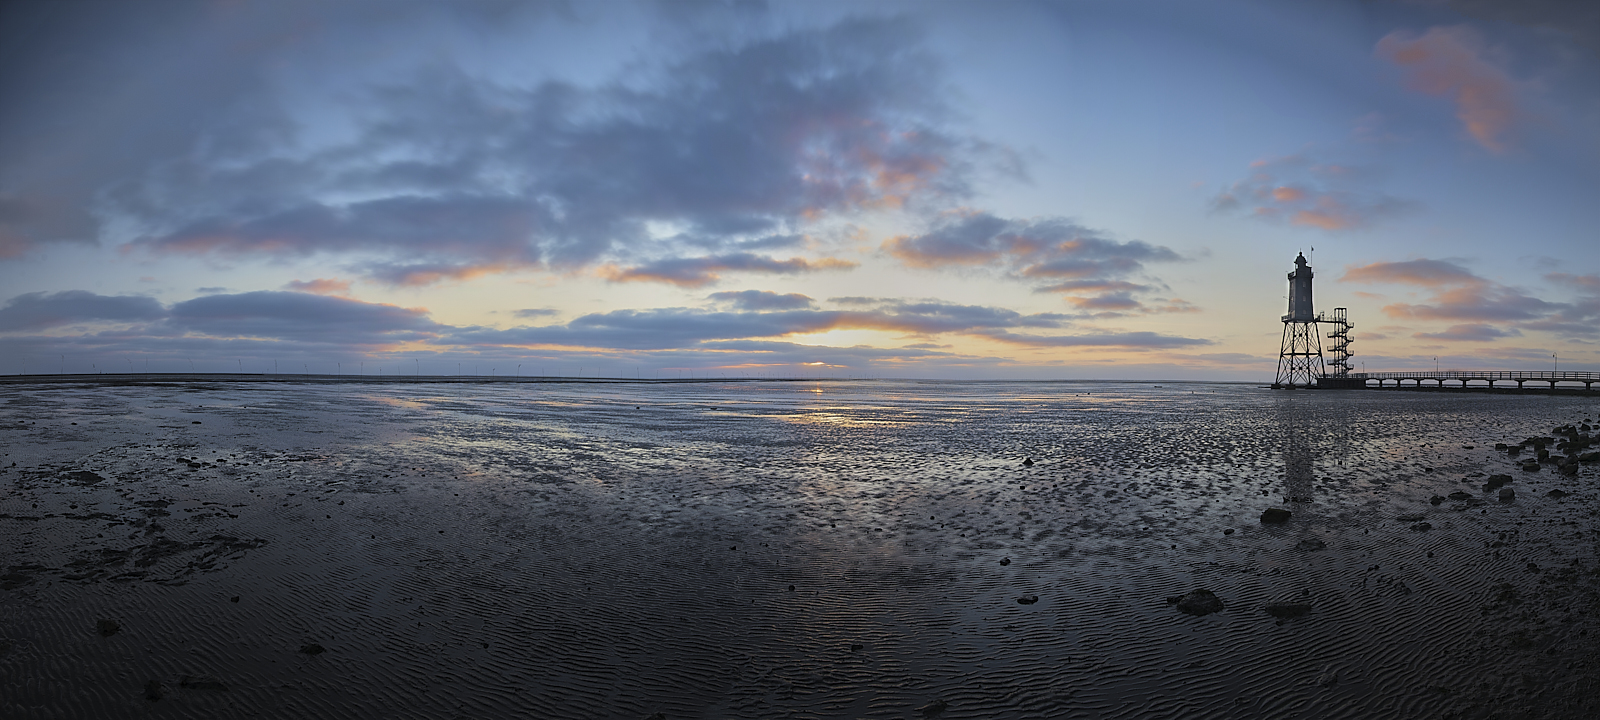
(1200, 602)
(1275, 515)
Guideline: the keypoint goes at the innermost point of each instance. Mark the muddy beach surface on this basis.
(806, 550)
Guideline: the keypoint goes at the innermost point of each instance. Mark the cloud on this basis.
(1231, 358)
(702, 271)
(762, 300)
(1577, 18)
(1579, 318)
(688, 328)
(1171, 305)
(320, 286)
(1453, 61)
(535, 312)
(1586, 283)
(447, 174)
(272, 315)
(421, 274)
(38, 311)
(1130, 340)
(1458, 294)
(1425, 273)
(316, 333)
(294, 318)
(1086, 266)
(1477, 332)
(1296, 190)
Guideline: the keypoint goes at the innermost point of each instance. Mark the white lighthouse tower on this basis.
(1300, 355)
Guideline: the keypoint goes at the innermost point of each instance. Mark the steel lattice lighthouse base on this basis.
(1300, 355)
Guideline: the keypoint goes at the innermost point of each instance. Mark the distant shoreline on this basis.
(161, 378)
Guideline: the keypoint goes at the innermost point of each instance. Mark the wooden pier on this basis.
(1466, 379)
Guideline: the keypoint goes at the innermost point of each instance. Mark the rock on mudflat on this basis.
(1422, 527)
(1507, 494)
(1557, 494)
(107, 628)
(312, 649)
(1310, 544)
(1328, 678)
(933, 709)
(1199, 602)
(1275, 515)
(152, 690)
(1286, 610)
(1027, 599)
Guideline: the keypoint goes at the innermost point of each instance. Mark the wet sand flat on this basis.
(804, 550)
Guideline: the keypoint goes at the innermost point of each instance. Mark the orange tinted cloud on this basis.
(1427, 273)
(1300, 191)
(1458, 294)
(421, 275)
(1451, 61)
(320, 286)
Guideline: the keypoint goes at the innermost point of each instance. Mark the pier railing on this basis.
(1416, 379)
(1482, 375)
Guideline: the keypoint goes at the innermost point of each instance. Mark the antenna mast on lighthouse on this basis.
(1300, 354)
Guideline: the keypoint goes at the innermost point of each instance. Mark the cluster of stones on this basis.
(1573, 441)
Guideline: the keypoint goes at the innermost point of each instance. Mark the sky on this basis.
(1019, 190)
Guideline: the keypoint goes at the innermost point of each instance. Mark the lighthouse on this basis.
(1300, 309)
(1300, 353)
